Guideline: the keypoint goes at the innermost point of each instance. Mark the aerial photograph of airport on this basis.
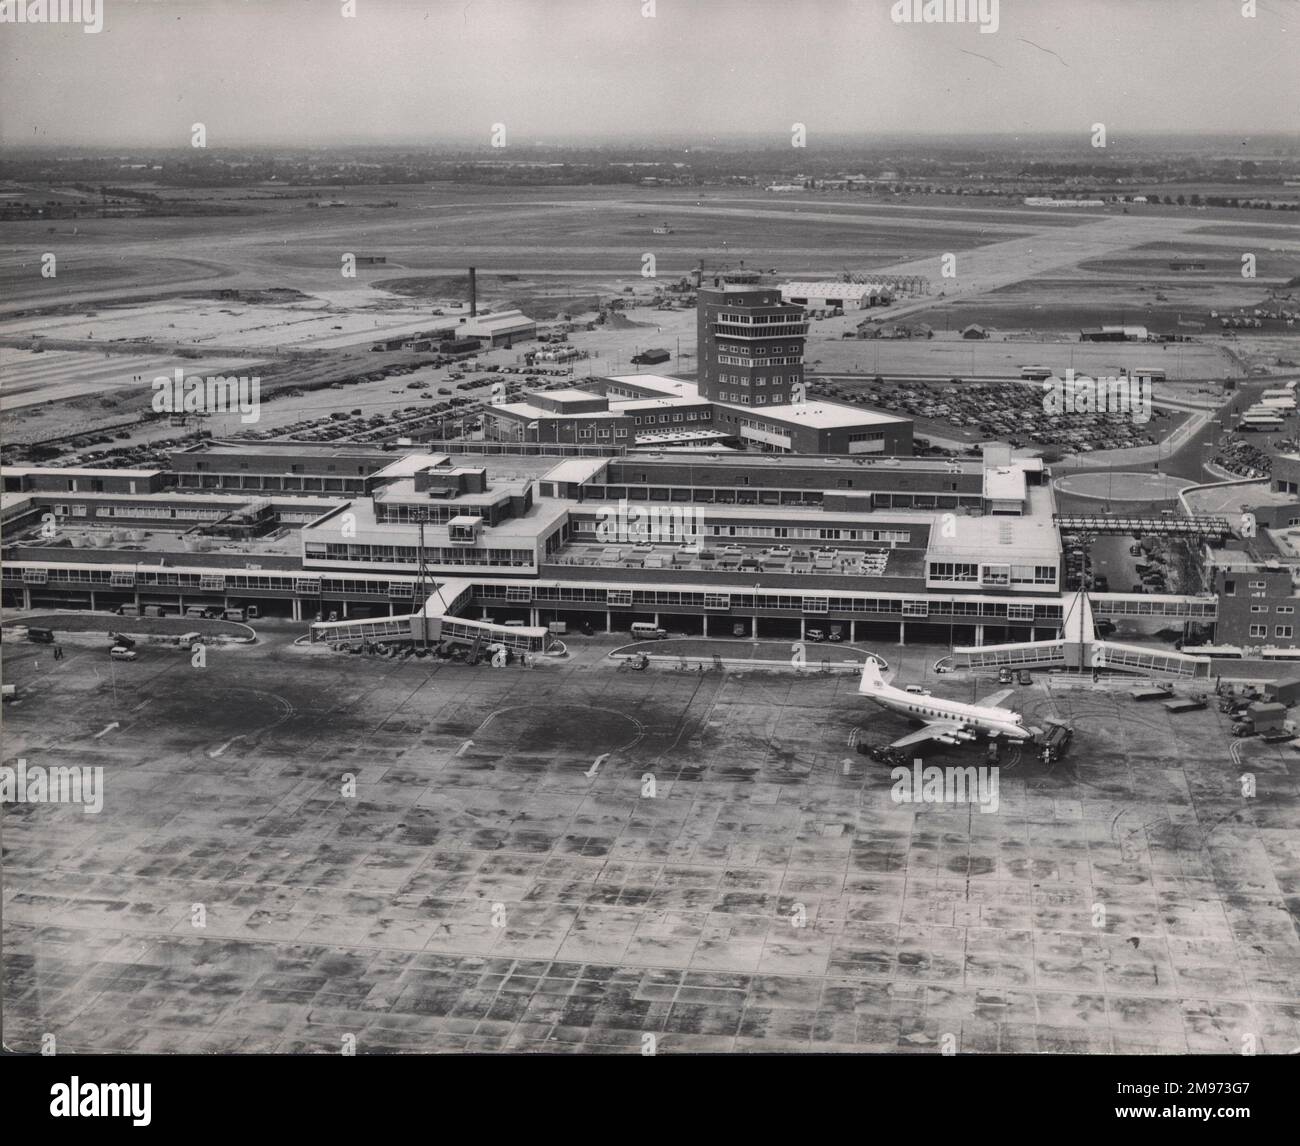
(635, 527)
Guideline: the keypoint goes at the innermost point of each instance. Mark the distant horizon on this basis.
(438, 72)
(743, 141)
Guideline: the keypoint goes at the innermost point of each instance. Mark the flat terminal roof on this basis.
(28, 471)
(410, 464)
(1005, 483)
(669, 387)
(526, 410)
(576, 469)
(632, 405)
(822, 415)
(568, 394)
(403, 489)
(1015, 539)
(293, 449)
(516, 532)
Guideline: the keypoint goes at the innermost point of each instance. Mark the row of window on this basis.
(1264, 609)
(294, 467)
(667, 598)
(747, 351)
(1278, 630)
(784, 532)
(691, 416)
(406, 554)
(231, 582)
(186, 513)
(267, 481)
(746, 319)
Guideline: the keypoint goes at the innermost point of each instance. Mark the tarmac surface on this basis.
(572, 857)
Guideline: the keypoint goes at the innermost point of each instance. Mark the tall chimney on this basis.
(473, 293)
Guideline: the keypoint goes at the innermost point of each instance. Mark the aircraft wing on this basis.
(994, 700)
(929, 732)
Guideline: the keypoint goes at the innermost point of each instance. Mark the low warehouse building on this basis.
(827, 296)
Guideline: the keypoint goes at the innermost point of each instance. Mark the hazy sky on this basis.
(418, 71)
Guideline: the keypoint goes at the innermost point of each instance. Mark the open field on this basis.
(486, 889)
(547, 250)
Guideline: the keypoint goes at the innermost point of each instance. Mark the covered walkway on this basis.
(1079, 648)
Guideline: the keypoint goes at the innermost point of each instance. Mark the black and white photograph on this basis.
(651, 528)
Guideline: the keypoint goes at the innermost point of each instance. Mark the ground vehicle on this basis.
(1036, 373)
(739, 629)
(1004, 675)
(233, 614)
(128, 610)
(645, 631)
(917, 690)
(121, 653)
(444, 390)
(1023, 677)
(198, 611)
(815, 635)
(1055, 740)
(836, 633)
(41, 636)
(1135, 551)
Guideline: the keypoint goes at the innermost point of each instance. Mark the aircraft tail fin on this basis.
(871, 676)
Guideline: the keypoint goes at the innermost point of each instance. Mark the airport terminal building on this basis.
(888, 549)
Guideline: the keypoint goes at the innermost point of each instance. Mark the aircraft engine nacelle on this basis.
(965, 734)
(946, 739)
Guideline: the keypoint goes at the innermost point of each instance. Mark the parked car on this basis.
(815, 635)
(1023, 677)
(917, 690)
(121, 653)
(1004, 675)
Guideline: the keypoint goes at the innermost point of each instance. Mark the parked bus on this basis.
(1277, 399)
(1260, 422)
(1036, 373)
